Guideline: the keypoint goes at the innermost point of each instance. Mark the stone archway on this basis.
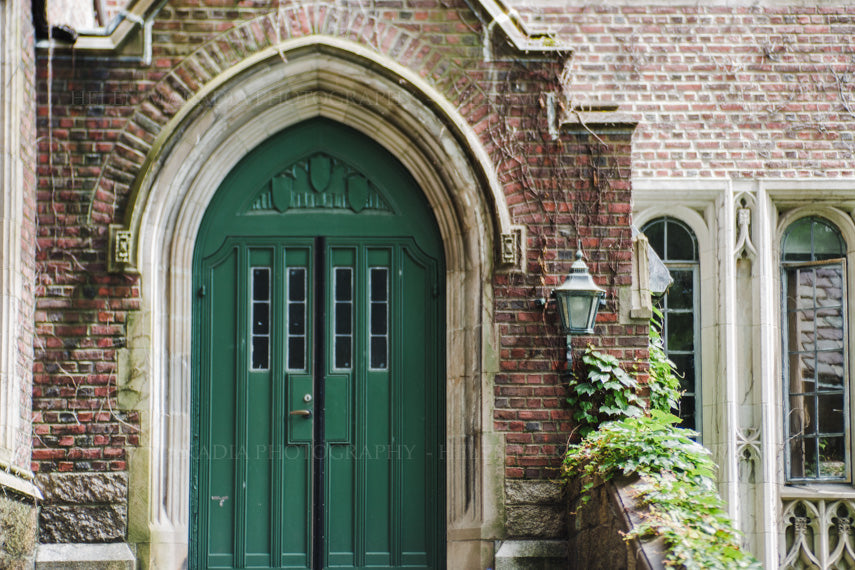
(338, 80)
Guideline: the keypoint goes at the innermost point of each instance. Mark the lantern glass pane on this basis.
(592, 311)
(580, 311)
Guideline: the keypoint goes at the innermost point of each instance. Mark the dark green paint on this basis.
(383, 489)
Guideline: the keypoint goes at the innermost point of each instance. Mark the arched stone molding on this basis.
(401, 56)
(336, 79)
(834, 215)
(686, 215)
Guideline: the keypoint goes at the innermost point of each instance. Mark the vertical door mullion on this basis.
(278, 413)
(341, 526)
(359, 384)
(295, 462)
(319, 365)
(258, 410)
(376, 406)
(241, 373)
(396, 328)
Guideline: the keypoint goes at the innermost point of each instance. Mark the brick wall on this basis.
(736, 89)
(103, 119)
(585, 192)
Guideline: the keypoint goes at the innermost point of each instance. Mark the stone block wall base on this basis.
(18, 524)
(532, 555)
(69, 556)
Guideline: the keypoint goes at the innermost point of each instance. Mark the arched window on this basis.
(813, 275)
(677, 246)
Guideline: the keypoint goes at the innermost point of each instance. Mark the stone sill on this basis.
(20, 485)
(830, 491)
(528, 554)
(581, 121)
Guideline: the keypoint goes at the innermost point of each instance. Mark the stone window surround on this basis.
(709, 207)
(648, 211)
(698, 355)
(195, 153)
(14, 382)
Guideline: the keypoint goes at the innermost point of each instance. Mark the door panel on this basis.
(367, 381)
(318, 363)
(219, 478)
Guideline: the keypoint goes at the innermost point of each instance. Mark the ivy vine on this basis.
(664, 381)
(676, 474)
(607, 392)
(676, 485)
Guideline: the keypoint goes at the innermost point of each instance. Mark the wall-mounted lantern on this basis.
(578, 300)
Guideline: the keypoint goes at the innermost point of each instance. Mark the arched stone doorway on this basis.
(318, 365)
(194, 154)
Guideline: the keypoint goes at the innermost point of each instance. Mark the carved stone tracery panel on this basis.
(818, 534)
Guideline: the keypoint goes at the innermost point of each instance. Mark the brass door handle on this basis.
(303, 413)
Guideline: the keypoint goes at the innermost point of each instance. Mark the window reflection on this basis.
(813, 282)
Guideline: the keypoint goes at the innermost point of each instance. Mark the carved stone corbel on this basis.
(744, 246)
(512, 251)
(120, 250)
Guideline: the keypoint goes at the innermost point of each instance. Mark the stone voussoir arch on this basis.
(179, 166)
(196, 79)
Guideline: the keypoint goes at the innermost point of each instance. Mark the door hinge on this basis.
(435, 291)
(202, 291)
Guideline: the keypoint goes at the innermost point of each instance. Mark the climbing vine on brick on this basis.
(676, 474)
(676, 486)
(605, 391)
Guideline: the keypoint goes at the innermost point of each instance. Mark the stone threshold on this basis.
(531, 555)
(71, 556)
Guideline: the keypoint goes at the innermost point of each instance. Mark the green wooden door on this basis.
(318, 365)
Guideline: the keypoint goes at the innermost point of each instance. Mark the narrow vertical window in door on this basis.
(260, 315)
(343, 309)
(256, 413)
(294, 463)
(379, 317)
(296, 335)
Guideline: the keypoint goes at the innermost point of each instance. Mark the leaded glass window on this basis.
(677, 246)
(815, 370)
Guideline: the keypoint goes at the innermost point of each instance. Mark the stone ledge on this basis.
(20, 485)
(580, 121)
(114, 556)
(531, 555)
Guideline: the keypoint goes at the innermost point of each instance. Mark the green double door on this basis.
(318, 369)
